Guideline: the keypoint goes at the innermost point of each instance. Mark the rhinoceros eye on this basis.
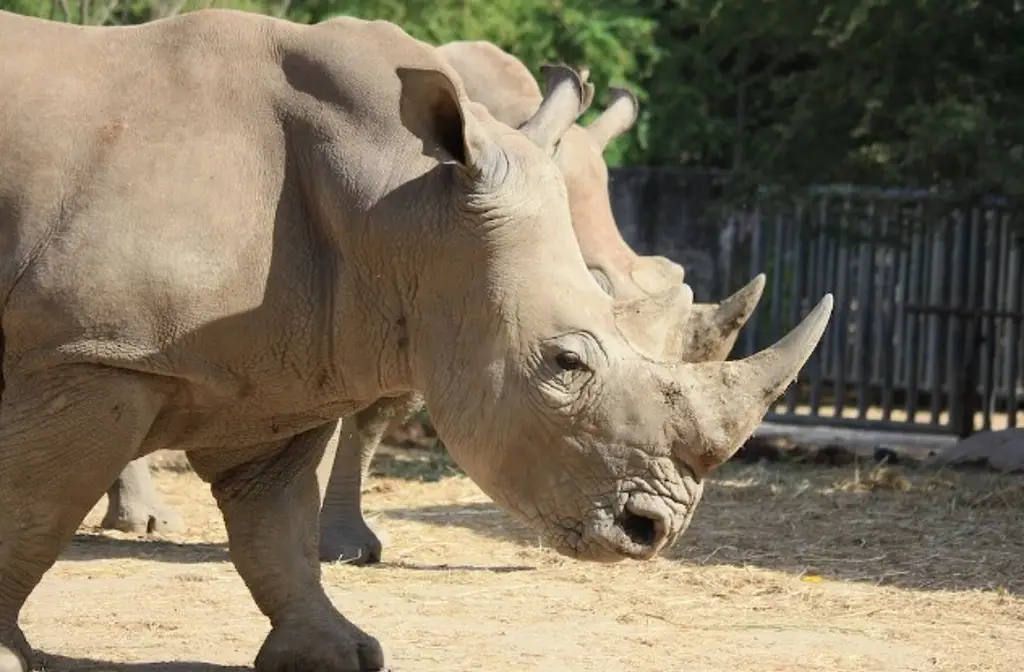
(569, 361)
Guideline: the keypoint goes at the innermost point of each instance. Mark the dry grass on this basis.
(785, 568)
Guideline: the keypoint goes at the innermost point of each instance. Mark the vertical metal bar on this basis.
(1015, 304)
(797, 244)
(1003, 303)
(779, 262)
(914, 293)
(881, 305)
(821, 285)
(840, 315)
(935, 287)
(991, 269)
(923, 319)
(756, 261)
(831, 256)
(865, 308)
(889, 325)
(903, 295)
(972, 352)
(954, 326)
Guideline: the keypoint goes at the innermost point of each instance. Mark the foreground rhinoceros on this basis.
(505, 86)
(224, 231)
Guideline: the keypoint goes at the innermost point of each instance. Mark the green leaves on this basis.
(922, 93)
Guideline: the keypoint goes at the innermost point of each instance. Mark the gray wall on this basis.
(668, 212)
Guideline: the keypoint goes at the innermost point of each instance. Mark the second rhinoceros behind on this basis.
(221, 232)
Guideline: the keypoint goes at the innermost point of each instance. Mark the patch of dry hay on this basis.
(855, 569)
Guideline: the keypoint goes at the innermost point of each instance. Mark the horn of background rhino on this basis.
(617, 118)
(721, 403)
(733, 312)
(711, 332)
(566, 97)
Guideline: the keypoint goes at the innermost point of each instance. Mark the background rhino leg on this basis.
(269, 497)
(133, 504)
(344, 534)
(64, 437)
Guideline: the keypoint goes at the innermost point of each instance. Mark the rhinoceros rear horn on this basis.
(566, 97)
(721, 403)
(617, 118)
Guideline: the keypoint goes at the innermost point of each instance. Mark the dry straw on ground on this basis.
(786, 567)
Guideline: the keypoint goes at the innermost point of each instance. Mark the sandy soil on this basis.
(785, 568)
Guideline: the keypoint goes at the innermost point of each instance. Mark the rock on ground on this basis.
(1002, 450)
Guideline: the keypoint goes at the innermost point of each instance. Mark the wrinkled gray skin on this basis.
(223, 231)
(507, 88)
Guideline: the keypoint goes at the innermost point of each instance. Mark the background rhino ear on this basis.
(617, 118)
(435, 108)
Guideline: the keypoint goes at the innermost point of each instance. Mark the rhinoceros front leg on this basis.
(63, 438)
(133, 504)
(270, 499)
(344, 533)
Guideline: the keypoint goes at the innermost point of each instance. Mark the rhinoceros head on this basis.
(560, 401)
(579, 156)
(505, 86)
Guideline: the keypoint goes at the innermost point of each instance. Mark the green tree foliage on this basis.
(923, 93)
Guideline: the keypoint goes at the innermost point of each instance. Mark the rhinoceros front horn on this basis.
(719, 404)
(566, 97)
(734, 312)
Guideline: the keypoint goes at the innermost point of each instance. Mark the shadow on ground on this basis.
(54, 663)
(85, 547)
(913, 528)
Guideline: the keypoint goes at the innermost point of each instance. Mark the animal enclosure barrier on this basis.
(927, 333)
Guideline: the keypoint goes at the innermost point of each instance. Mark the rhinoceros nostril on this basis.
(641, 530)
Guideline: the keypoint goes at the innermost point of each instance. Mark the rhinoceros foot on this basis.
(142, 516)
(15, 652)
(333, 646)
(133, 504)
(351, 541)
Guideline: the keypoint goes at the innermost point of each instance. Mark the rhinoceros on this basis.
(224, 231)
(506, 87)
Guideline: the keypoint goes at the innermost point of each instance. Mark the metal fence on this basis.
(926, 334)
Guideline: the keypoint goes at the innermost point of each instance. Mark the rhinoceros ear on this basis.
(617, 118)
(435, 108)
(567, 95)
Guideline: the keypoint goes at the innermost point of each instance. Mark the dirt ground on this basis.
(785, 567)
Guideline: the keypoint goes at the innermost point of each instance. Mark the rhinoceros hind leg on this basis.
(134, 505)
(345, 536)
(63, 438)
(270, 499)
